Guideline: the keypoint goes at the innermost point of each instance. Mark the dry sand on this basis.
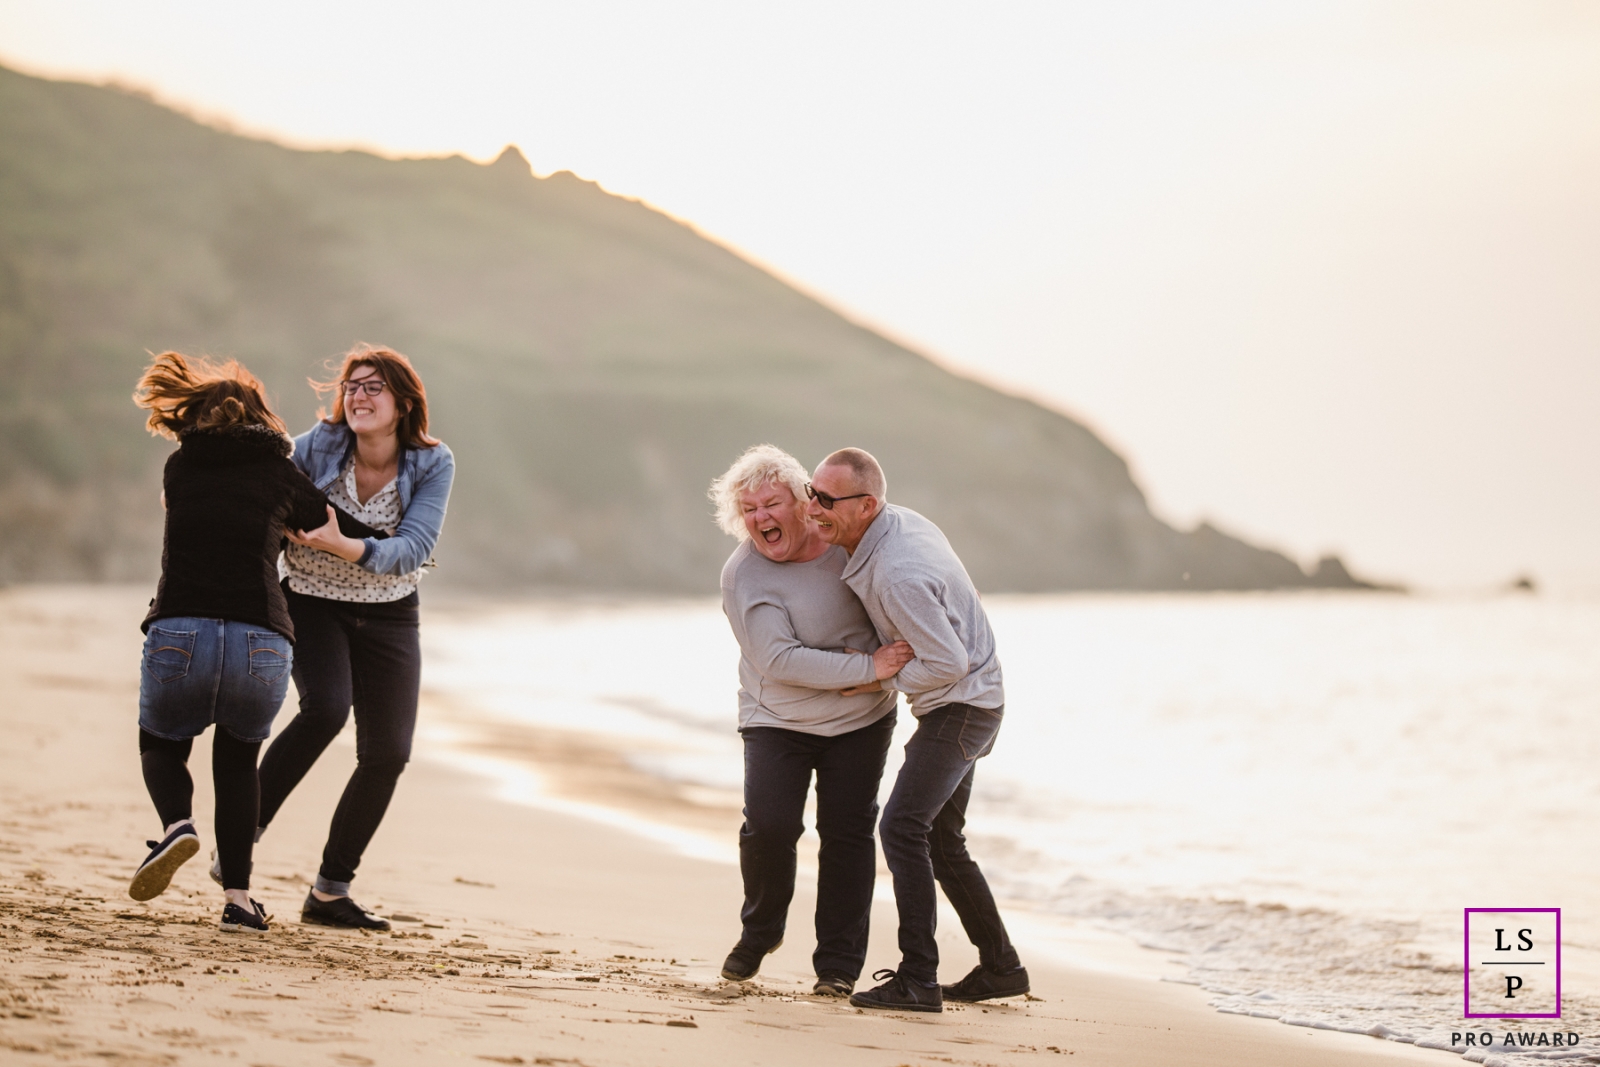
(520, 936)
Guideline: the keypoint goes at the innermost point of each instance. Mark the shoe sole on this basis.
(832, 991)
(240, 928)
(312, 920)
(730, 976)
(987, 996)
(151, 880)
(931, 1008)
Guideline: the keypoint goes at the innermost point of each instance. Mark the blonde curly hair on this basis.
(759, 466)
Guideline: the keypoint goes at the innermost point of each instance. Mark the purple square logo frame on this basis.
(1521, 941)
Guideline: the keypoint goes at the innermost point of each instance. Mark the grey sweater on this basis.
(916, 590)
(792, 621)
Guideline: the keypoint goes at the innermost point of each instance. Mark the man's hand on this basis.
(888, 660)
(886, 663)
(327, 538)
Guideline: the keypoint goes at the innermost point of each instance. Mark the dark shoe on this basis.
(744, 961)
(833, 984)
(341, 912)
(984, 984)
(899, 994)
(166, 856)
(236, 920)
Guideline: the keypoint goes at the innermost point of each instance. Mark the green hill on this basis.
(592, 362)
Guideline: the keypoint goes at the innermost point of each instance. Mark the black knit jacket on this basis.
(230, 495)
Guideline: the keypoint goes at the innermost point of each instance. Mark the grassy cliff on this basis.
(592, 362)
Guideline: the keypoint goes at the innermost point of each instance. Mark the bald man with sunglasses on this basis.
(916, 590)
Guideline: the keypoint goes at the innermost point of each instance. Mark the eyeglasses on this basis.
(827, 500)
(370, 386)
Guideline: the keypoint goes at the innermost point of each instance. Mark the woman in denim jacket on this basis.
(218, 635)
(354, 604)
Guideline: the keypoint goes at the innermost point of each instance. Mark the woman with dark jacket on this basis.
(354, 604)
(219, 637)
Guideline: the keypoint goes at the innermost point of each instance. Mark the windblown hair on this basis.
(864, 471)
(401, 378)
(759, 466)
(185, 394)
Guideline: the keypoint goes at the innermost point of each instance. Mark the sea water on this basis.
(1297, 795)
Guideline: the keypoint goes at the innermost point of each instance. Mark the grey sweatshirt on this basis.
(793, 621)
(916, 590)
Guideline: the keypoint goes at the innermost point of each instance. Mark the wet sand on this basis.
(521, 936)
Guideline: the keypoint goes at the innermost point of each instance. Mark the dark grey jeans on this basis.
(923, 840)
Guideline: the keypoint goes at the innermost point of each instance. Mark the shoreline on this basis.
(538, 937)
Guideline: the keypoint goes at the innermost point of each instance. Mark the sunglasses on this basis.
(828, 501)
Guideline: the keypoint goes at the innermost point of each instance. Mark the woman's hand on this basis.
(327, 538)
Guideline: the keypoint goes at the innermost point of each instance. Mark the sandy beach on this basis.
(521, 936)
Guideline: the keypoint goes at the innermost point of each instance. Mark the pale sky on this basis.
(1327, 274)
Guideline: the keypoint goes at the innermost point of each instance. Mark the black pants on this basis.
(924, 839)
(233, 773)
(777, 775)
(365, 656)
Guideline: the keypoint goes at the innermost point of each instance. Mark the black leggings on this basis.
(233, 774)
(366, 656)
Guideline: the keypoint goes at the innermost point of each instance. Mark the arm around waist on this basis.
(770, 643)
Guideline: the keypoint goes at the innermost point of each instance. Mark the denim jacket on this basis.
(423, 483)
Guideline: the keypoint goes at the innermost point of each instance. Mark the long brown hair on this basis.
(401, 379)
(184, 393)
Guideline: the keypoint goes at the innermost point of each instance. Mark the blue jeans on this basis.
(923, 840)
(777, 775)
(196, 672)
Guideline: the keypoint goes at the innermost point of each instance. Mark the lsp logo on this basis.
(1513, 963)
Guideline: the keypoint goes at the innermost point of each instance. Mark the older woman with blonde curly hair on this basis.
(804, 640)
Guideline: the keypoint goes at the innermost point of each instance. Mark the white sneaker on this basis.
(216, 868)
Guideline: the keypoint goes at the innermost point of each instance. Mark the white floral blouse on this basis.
(313, 572)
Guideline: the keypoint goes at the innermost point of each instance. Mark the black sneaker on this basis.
(899, 994)
(744, 961)
(984, 984)
(341, 912)
(235, 920)
(834, 984)
(166, 856)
